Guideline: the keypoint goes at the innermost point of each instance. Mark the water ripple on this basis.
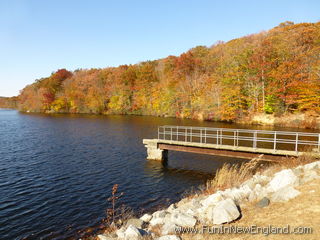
(56, 172)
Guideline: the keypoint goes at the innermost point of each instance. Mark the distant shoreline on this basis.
(299, 120)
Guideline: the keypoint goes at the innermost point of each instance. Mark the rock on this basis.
(310, 175)
(195, 202)
(169, 237)
(146, 217)
(213, 199)
(298, 171)
(225, 211)
(284, 194)
(168, 228)
(157, 221)
(171, 208)
(312, 166)
(258, 193)
(252, 197)
(183, 219)
(201, 214)
(263, 202)
(238, 194)
(257, 179)
(135, 222)
(159, 214)
(282, 179)
(207, 215)
(120, 233)
(158, 217)
(132, 233)
(182, 202)
(191, 212)
(105, 237)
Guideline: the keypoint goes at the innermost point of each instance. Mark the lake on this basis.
(56, 171)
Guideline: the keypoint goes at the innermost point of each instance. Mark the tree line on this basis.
(272, 72)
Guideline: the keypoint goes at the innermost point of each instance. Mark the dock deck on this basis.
(239, 143)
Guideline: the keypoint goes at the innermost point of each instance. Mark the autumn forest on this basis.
(272, 72)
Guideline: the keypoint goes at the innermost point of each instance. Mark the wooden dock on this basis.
(238, 143)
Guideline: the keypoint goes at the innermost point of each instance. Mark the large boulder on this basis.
(192, 212)
(158, 217)
(132, 233)
(171, 208)
(309, 176)
(121, 233)
(283, 179)
(212, 200)
(106, 237)
(258, 193)
(284, 194)
(312, 166)
(183, 219)
(146, 217)
(201, 214)
(182, 202)
(169, 237)
(225, 211)
(168, 228)
(298, 171)
(238, 194)
(135, 222)
(256, 179)
(159, 214)
(190, 207)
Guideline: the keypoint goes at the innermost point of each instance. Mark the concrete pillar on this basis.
(155, 153)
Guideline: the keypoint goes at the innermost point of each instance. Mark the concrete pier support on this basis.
(155, 153)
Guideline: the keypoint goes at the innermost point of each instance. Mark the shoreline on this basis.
(297, 120)
(223, 202)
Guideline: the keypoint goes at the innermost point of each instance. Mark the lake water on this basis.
(56, 171)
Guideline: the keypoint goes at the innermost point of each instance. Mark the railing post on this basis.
(234, 138)
(297, 137)
(177, 133)
(237, 137)
(255, 139)
(171, 133)
(319, 143)
(200, 135)
(186, 134)
(220, 136)
(190, 134)
(217, 137)
(158, 133)
(275, 141)
(205, 135)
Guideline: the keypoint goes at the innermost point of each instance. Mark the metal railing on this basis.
(276, 140)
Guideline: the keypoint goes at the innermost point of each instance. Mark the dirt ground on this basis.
(302, 211)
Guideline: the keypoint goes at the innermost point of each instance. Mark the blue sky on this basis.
(38, 37)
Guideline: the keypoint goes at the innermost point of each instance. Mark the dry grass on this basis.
(229, 176)
(290, 162)
(156, 229)
(232, 175)
(307, 157)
